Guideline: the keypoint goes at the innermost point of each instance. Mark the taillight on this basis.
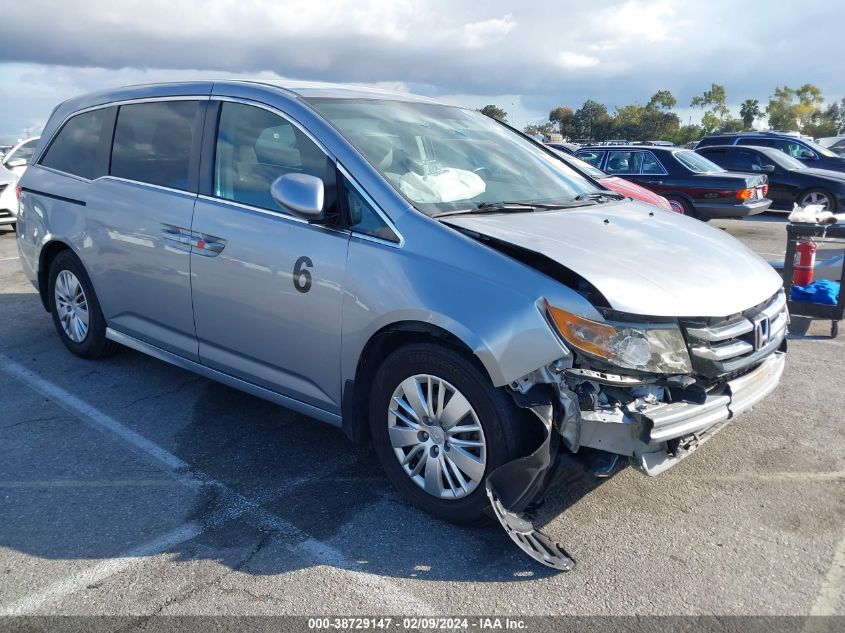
(745, 194)
(18, 192)
(765, 190)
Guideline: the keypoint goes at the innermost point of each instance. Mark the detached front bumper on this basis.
(656, 437)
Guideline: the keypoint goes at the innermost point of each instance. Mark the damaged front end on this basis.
(651, 419)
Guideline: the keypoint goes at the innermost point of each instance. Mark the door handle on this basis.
(205, 244)
(171, 233)
(654, 182)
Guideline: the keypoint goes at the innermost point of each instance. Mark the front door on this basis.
(267, 286)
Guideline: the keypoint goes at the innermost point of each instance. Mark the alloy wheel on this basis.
(72, 306)
(437, 437)
(816, 197)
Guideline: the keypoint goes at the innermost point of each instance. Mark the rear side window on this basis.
(154, 143)
(745, 160)
(718, 156)
(623, 162)
(651, 165)
(254, 147)
(80, 147)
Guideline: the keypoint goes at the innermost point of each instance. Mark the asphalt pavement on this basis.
(131, 487)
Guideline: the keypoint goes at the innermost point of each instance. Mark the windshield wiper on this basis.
(506, 206)
(600, 196)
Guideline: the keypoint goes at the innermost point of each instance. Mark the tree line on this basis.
(799, 109)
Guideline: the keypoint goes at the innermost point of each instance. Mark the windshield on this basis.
(445, 158)
(820, 150)
(696, 162)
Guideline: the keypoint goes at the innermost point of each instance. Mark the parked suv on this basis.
(802, 149)
(415, 273)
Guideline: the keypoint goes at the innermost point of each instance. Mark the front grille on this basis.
(722, 347)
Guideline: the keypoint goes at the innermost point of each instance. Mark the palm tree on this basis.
(749, 110)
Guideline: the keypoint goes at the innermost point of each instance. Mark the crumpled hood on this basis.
(643, 260)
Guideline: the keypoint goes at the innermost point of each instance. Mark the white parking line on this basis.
(834, 584)
(8, 259)
(103, 570)
(94, 416)
(234, 504)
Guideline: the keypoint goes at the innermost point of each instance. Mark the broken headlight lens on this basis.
(657, 348)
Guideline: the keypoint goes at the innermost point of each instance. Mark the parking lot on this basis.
(128, 486)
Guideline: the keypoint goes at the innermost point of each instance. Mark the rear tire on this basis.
(504, 430)
(682, 206)
(75, 310)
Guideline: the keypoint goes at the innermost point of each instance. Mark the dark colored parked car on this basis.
(790, 180)
(813, 154)
(614, 183)
(692, 184)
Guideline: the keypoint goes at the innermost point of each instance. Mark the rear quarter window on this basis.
(80, 147)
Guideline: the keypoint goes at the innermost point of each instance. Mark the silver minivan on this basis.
(420, 275)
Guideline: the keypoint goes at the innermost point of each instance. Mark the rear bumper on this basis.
(657, 437)
(712, 211)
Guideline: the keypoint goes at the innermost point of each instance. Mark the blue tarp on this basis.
(822, 291)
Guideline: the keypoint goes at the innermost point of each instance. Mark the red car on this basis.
(616, 184)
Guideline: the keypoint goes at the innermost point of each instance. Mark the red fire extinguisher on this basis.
(803, 274)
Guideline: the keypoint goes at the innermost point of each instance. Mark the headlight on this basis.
(655, 348)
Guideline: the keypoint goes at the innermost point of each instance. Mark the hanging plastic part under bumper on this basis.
(516, 487)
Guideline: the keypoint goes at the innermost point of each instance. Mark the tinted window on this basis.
(651, 165)
(79, 148)
(623, 162)
(718, 156)
(153, 142)
(254, 147)
(363, 218)
(745, 160)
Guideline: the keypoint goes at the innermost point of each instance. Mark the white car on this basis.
(11, 169)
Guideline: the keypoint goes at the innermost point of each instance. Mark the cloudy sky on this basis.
(526, 56)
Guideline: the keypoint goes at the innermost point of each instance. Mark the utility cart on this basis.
(819, 233)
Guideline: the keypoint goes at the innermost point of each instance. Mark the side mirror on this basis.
(301, 194)
(769, 169)
(806, 155)
(16, 162)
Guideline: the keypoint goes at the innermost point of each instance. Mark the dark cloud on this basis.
(550, 52)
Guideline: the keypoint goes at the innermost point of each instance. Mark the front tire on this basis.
(75, 309)
(818, 196)
(439, 428)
